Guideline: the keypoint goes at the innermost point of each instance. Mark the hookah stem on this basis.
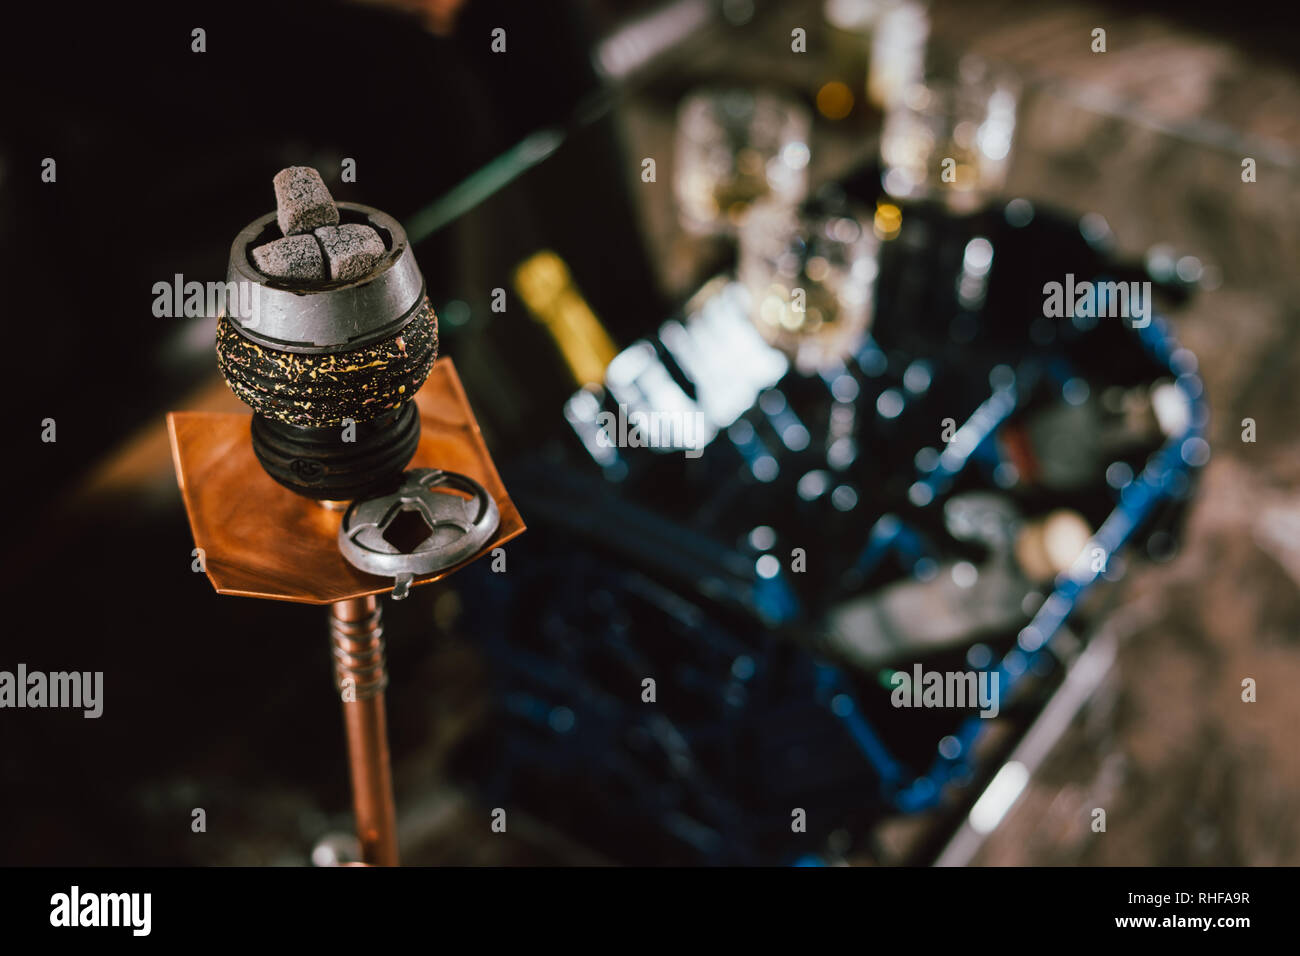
(356, 635)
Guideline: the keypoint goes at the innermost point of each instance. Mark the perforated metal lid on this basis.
(426, 525)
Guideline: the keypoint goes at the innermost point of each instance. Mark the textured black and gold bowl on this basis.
(329, 368)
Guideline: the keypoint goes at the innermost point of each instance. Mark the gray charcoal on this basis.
(351, 250)
(302, 202)
(293, 257)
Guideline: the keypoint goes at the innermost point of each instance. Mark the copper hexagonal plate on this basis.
(261, 540)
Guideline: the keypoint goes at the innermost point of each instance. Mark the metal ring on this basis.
(456, 528)
(294, 316)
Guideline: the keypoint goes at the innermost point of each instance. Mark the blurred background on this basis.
(796, 147)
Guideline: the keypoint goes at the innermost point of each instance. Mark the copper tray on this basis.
(261, 540)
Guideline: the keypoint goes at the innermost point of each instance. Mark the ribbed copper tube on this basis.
(356, 633)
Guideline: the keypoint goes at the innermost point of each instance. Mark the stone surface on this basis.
(293, 257)
(351, 250)
(302, 202)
